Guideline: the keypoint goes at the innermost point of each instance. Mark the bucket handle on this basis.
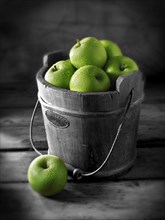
(77, 173)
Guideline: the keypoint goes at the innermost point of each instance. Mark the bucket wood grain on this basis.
(81, 127)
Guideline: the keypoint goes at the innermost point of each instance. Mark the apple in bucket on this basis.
(119, 65)
(111, 48)
(88, 51)
(90, 78)
(60, 73)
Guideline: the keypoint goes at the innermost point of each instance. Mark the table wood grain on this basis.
(140, 192)
(29, 29)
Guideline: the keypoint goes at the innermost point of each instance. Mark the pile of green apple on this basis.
(93, 66)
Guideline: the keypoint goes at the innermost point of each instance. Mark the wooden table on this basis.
(140, 194)
(28, 30)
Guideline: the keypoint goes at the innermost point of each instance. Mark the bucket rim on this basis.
(43, 69)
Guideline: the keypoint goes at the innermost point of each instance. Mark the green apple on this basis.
(59, 74)
(111, 48)
(119, 65)
(88, 51)
(47, 175)
(90, 78)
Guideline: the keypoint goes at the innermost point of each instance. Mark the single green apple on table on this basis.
(111, 48)
(119, 65)
(88, 51)
(47, 175)
(90, 78)
(59, 74)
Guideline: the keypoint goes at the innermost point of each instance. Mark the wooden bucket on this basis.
(81, 127)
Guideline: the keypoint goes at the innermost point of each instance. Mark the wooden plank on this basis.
(105, 200)
(16, 117)
(25, 94)
(152, 121)
(151, 115)
(18, 138)
(149, 164)
(15, 122)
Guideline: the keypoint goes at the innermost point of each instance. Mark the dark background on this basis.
(29, 29)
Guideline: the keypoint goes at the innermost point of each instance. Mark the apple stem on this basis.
(123, 67)
(55, 68)
(78, 42)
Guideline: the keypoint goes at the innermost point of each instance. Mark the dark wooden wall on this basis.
(28, 29)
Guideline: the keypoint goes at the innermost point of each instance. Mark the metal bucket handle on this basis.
(77, 173)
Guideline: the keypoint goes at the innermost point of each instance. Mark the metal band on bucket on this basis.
(64, 111)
